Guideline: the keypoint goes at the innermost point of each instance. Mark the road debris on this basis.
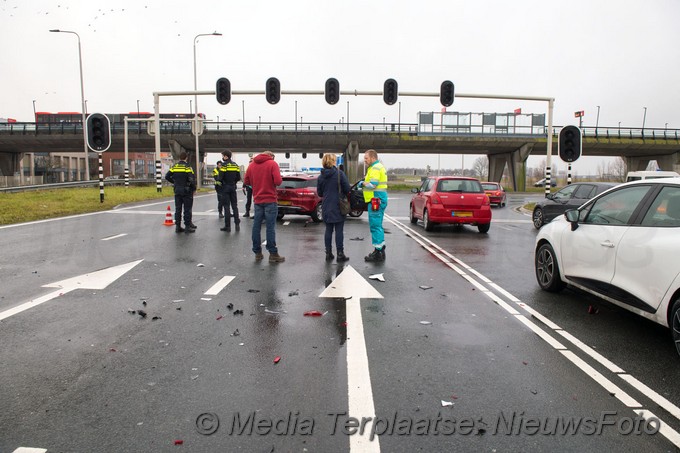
(378, 277)
(253, 290)
(219, 317)
(156, 318)
(236, 333)
(446, 403)
(141, 313)
(426, 323)
(356, 239)
(314, 313)
(294, 293)
(277, 359)
(230, 306)
(424, 287)
(200, 265)
(238, 312)
(273, 312)
(593, 310)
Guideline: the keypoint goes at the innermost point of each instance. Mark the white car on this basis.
(623, 246)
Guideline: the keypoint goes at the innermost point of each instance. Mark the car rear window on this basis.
(295, 183)
(459, 185)
(490, 186)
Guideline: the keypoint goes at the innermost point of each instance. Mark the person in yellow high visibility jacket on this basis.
(374, 187)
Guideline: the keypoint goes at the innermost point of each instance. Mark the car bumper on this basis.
(287, 209)
(460, 216)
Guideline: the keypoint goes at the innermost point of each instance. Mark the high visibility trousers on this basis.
(375, 221)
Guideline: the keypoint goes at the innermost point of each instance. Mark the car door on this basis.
(558, 202)
(646, 259)
(420, 198)
(589, 251)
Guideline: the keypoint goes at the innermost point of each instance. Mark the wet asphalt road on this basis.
(81, 373)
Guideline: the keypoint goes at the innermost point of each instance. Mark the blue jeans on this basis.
(339, 236)
(268, 213)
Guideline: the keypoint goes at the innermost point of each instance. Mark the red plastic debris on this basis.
(313, 313)
(112, 349)
(219, 317)
(179, 442)
(277, 359)
(592, 310)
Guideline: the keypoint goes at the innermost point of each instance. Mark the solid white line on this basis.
(541, 333)
(30, 450)
(30, 304)
(665, 430)
(591, 352)
(219, 286)
(612, 388)
(652, 395)
(114, 237)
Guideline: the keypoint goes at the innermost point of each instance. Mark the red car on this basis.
(451, 199)
(495, 192)
(297, 195)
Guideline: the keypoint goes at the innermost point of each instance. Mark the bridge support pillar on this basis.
(351, 159)
(516, 162)
(666, 162)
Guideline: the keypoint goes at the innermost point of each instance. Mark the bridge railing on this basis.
(378, 128)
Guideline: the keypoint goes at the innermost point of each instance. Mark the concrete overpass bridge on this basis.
(506, 144)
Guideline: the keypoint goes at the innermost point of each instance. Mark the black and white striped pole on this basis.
(101, 179)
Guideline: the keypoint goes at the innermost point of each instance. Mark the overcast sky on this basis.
(622, 55)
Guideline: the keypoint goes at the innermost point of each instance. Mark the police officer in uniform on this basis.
(182, 176)
(230, 174)
(216, 173)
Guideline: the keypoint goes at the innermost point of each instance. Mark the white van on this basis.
(638, 175)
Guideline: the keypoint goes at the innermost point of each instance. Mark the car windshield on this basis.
(459, 185)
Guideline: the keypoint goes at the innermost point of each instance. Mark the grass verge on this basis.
(46, 204)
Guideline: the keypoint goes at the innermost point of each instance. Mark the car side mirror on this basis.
(415, 190)
(572, 217)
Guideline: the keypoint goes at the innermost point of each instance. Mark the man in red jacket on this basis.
(263, 175)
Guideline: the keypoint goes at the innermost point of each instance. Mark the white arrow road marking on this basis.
(93, 280)
(350, 285)
(219, 286)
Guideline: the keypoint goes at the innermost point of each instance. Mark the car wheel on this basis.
(547, 269)
(505, 200)
(427, 224)
(675, 324)
(317, 213)
(412, 215)
(484, 228)
(537, 218)
(356, 213)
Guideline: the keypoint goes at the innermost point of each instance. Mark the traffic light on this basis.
(98, 132)
(446, 93)
(569, 143)
(332, 91)
(223, 91)
(390, 92)
(273, 90)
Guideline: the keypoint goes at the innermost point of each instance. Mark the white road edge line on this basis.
(114, 237)
(626, 399)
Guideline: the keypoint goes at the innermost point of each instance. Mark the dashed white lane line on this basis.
(467, 273)
(114, 237)
(29, 450)
(219, 286)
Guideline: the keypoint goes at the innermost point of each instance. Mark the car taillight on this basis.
(434, 198)
(498, 194)
(486, 202)
(306, 193)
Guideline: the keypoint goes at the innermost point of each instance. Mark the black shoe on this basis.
(191, 225)
(342, 257)
(225, 229)
(375, 256)
(179, 230)
(238, 227)
(221, 215)
(329, 255)
(382, 252)
(247, 214)
(189, 230)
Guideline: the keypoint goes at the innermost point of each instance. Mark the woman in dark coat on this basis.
(327, 188)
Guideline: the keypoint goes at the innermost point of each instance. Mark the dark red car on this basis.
(451, 199)
(297, 195)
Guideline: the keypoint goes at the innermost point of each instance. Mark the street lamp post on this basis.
(644, 119)
(198, 163)
(82, 98)
(35, 115)
(597, 120)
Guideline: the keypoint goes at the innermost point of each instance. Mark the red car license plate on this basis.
(461, 214)
(285, 203)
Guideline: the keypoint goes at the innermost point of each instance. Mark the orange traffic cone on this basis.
(168, 218)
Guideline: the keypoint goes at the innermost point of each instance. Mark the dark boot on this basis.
(382, 252)
(329, 255)
(247, 214)
(375, 256)
(179, 229)
(276, 258)
(342, 257)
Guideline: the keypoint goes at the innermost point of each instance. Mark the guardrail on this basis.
(379, 128)
(69, 184)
